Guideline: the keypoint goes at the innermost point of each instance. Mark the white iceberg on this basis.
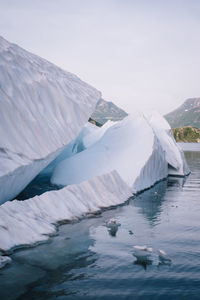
(87, 137)
(42, 109)
(142, 252)
(163, 257)
(30, 221)
(42, 112)
(174, 154)
(129, 146)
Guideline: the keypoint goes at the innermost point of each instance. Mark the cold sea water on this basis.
(86, 261)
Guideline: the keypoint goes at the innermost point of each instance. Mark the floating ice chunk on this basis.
(112, 223)
(142, 252)
(113, 226)
(163, 257)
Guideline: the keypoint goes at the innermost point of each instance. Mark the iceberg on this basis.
(129, 146)
(88, 136)
(33, 220)
(177, 164)
(42, 109)
(43, 127)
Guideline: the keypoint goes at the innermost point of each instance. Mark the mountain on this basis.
(186, 134)
(188, 114)
(107, 111)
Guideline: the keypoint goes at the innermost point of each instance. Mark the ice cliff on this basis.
(42, 108)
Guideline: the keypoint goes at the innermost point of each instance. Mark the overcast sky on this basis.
(139, 54)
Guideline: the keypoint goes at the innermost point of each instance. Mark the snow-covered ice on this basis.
(42, 109)
(30, 221)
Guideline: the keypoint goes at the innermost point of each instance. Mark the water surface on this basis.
(84, 261)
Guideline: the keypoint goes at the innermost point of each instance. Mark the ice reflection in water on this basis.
(85, 262)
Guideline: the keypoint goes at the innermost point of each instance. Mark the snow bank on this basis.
(129, 146)
(30, 221)
(42, 109)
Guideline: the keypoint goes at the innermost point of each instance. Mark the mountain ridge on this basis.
(188, 114)
(107, 110)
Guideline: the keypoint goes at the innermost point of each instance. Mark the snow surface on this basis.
(30, 221)
(42, 109)
(129, 146)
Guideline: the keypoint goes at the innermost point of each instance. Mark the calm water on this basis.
(85, 262)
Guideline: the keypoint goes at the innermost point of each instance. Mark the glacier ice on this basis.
(88, 136)
(30, 221)
(42, 109)
(174, 154)
(129, 146)
(42, 113)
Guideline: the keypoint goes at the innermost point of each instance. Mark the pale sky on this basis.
(139, 54)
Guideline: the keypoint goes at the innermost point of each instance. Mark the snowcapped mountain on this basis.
(42, 108)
